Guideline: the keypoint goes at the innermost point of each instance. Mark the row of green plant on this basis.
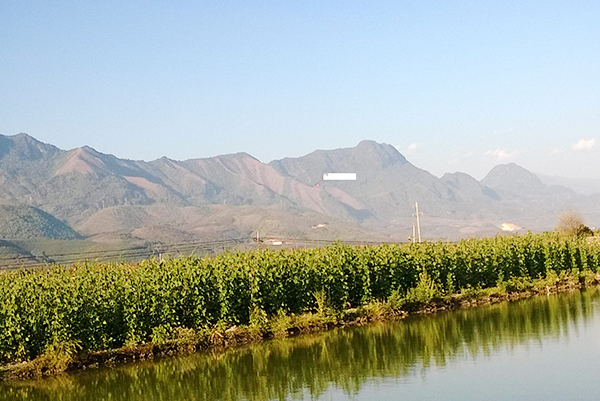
(93, 306)
(346, 359)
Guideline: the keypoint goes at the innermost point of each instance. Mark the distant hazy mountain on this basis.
(584, 186)
(515, 182)
(467, 184)
(101, 196)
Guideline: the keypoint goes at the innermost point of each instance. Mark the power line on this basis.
(122, 258)
(132, 252)
(157, 246)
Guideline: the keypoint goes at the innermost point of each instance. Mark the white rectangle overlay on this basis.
(339, 177)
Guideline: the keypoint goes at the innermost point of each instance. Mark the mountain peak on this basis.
(511, 171)
(365, 158)
(385, 153)
(514, 179)
(240, 155)
(84, 160)
(369, 143)
(381, 148)
(25, 147)
(458, 177)
(24, 136)
(469, 185)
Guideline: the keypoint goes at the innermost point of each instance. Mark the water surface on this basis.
(545, 348)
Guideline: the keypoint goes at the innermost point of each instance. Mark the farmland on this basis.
(91, 306)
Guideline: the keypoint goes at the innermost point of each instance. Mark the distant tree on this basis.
(571, 223)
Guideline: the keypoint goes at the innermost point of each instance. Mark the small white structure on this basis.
(339, 177)
(510, 227)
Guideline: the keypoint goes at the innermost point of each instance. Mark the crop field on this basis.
(102, 306)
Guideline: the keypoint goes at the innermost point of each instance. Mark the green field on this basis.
(95, 306)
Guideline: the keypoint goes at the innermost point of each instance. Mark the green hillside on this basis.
(26, 222)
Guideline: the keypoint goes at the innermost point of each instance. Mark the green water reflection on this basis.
(347, 360)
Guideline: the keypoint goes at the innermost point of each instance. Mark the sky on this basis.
(455, 86)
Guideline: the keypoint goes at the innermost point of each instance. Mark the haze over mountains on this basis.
(53, 193)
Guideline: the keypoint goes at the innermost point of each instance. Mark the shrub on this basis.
(572, 223)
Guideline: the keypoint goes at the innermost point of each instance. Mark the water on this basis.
(545, 348)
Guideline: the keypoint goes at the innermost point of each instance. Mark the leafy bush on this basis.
(425, 291)
(572, 223)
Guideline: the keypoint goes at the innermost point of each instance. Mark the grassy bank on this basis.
(89, 314)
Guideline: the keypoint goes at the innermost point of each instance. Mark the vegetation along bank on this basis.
(58, 318)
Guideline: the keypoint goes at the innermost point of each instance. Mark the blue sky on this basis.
(455, 86)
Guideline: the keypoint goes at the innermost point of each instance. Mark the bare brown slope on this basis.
(241, 177)
(95, 165)
(100, 193)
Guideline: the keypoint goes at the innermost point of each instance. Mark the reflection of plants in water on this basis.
(347, 359)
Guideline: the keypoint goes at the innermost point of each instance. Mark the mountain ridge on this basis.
(81, 185)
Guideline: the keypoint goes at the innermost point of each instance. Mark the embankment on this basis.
(90, 314)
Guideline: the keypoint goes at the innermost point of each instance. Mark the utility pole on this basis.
(418, 215)
(414, 236)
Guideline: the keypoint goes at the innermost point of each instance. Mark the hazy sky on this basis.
(455, 86)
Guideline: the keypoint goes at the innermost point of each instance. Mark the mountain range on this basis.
(46, 192)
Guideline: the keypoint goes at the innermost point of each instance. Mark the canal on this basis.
(544, 348)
